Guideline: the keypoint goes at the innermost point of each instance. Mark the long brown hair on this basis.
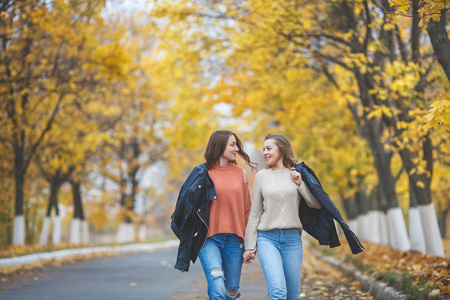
(217, 144)
(285, 147)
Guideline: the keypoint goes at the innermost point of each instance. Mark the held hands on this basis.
(249, 255)
(296, 176)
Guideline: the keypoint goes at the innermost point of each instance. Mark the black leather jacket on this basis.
(191, 216)
(319, 222)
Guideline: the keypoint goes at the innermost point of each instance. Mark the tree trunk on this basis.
(384, 230)
(374, 216)
(397, 233)
(440, 42)
(84, 224)
(384, 234)
(420, 191)
(398, 237)
(19, 220)
(57, 230)
(372, 131)
(142, 233)
(443, 222)
(134, 190)
(416, 231)
(75, 226)
(415, 224)
(85, 232)
(43, 239)
(125, 233)
(75, 229)
(352, 211)
(433, 239)
(55, 185)
(363, 218)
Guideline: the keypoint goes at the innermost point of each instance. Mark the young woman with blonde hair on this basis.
(287, 197)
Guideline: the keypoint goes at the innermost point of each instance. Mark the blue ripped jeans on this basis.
(280, 253)
(221, 259)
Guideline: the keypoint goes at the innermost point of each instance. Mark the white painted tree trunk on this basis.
(433, 239)
(75, 231)
(142, 233)
(353, 224)
(56, 238)
(390, 229)
(84, 232)
(19, 230)
(121, 235)
(131, 233)
(43, 238)
(416, 231)
(374, 227)
(397, 230)
(125, 233)
(367, 226)
(338, 228)
(384, 233)
(362, 227)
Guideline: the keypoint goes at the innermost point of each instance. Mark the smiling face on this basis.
(231, 149)
(272, 153)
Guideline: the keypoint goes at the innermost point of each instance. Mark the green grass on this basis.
(405, 283)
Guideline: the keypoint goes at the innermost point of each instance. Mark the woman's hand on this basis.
(249, 255)
(296, 176)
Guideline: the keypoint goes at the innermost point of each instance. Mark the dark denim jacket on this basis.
(191, 216)
(319, 222)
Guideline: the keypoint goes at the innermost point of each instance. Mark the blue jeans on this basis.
(280, 252)
(221, 259)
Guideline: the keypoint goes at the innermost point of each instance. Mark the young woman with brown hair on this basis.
(211, 215)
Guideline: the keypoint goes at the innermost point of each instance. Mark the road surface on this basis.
(151, 276)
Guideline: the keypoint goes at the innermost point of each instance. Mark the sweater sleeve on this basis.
(311, 201)
(256, 211)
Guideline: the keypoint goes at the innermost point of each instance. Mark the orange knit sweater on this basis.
(229, 212)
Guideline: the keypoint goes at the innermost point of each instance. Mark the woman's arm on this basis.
(247, 198)
(256, 211)
(311, 201)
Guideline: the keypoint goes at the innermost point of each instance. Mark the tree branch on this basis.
(43, 133)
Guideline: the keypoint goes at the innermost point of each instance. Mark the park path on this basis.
(151, 276)
(319, 281)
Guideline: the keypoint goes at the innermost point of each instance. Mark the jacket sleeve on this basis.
(184, 248)
(331, 210)
(177, 219)
(183, 207)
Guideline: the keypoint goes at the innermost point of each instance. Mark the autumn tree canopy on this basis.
(97, 99)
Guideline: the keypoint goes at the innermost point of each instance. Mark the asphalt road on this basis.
(145, 275)
(151, 276)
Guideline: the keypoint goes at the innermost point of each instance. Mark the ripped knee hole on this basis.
(217, 273)
(232, 293)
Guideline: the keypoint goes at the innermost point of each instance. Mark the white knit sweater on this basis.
(275, 204)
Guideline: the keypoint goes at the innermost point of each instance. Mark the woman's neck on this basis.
(223, 162)
(278, 166)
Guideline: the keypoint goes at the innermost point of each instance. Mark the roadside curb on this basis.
(378, 289)
(60, 254)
